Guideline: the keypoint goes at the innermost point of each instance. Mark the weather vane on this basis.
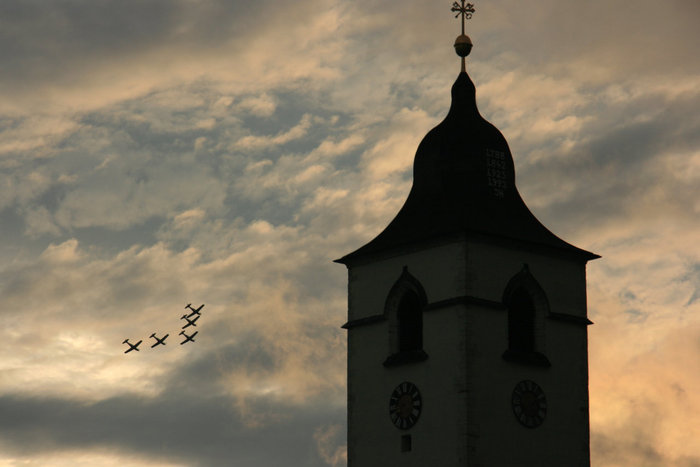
(464, 10)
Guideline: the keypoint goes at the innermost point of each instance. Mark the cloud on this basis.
(170, 430)
(159, 153)
(395, 152)
(89, 305)
(693, 277)
(333, 454)
(76, 56)
(260, 106)
(645, 413)
(260, 142)
(263, 351)
(331, 148)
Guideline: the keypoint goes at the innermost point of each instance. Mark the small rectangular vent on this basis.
(406, 443)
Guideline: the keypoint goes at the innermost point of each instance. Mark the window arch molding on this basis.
(525, 280)
(527, 306)
(403, 310)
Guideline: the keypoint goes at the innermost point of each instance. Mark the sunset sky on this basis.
(155, 153)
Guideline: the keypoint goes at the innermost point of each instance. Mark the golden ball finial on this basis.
(463, 45)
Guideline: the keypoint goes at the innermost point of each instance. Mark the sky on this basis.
(163, 152)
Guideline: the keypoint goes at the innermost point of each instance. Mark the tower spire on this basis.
(463, 44)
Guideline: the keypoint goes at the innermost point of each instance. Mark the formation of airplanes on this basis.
(196, 312)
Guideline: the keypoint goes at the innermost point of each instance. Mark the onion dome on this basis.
(464, 185)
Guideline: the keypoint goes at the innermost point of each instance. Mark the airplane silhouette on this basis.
(131, 346)
(188, 338)
(194, 312)
(190, 322)
(159, 341)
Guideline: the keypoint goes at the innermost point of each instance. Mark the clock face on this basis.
(405, 405)
(529, 404)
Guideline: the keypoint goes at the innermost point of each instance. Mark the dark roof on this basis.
(464, 183)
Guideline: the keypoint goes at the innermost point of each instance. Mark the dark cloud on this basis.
(625, 157)
(635, 444)
(617, 36)
(609, 451)
(194, 420)
(195, 430)
(110, 242)
(62, 39)
(692, 276)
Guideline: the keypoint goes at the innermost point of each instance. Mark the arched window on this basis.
(521, 321)
(410, 322)
(527, 307)
(404, 312)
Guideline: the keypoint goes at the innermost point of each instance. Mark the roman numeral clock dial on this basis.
(405, 405)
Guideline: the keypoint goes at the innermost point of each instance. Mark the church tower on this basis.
(467, 326)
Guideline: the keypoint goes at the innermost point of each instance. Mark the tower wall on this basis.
(437, 437)
(495, 436)
(466, 385)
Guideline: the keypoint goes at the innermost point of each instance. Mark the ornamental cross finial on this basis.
(464, 10)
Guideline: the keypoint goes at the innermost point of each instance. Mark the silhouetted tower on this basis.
(467, 329)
